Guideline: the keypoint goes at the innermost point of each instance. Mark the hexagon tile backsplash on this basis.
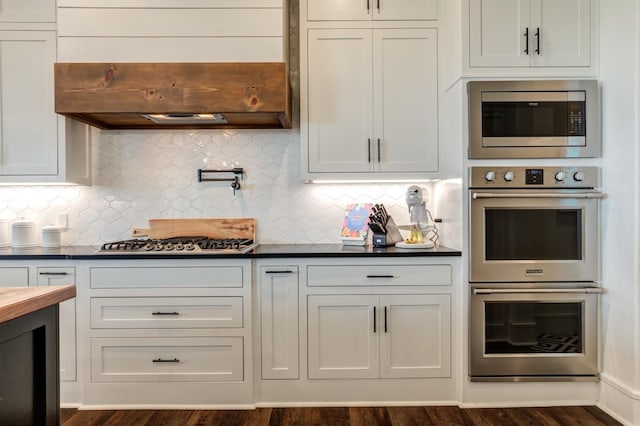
(143, 175)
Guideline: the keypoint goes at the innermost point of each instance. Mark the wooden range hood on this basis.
(247, 95)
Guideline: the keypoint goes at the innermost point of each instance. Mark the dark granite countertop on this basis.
(266, 251)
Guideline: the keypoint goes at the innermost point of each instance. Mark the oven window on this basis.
(527, 119)
(533, 234)
(533, 327)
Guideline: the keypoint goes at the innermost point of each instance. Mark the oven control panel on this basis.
(557, 177)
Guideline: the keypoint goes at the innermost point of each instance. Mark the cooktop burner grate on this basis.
(189, 244)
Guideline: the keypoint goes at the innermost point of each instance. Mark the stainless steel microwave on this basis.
(534, 119)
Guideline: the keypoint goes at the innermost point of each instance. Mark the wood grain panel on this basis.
(212, 228)
(18, 301)
(101, 93)
(382, 416)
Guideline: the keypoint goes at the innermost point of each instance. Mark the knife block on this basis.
(390, 238)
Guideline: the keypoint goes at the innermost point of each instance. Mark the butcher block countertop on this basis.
(18, 301)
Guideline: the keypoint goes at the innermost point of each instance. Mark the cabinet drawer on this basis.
(164, 277)
(166, 312)
(372, 275)
(163, 359)
(56, 276)
(14, 277)
(27, 11)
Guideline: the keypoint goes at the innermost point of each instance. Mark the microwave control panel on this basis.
(543, 177)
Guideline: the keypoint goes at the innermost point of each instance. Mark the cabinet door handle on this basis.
(369, 150)
(380, 276)
(166, 360)
(54, 273)
(526, 41)
(379, 154)
(374, 319)
(286, 271)
(538, 40)
(385, 319)
(165, 313)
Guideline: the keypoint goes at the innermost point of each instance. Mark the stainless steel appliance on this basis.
(528, 334)
(534, 224)
(534, 119)
(533, 272)
(187, 245)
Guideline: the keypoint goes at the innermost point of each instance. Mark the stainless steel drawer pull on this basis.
(380, 276)
(590, 290)
(584, 195)
(54, 273)
(165, 360)
(165, 313)
(286, 271)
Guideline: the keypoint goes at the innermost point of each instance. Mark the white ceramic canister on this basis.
(24, 234)
(5, 235)
(51, 236)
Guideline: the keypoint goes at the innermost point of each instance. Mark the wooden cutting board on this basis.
(212, 228)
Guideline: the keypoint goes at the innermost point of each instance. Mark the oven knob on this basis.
(578, 176)
(559, 176)
(490, 176)
(508, 176)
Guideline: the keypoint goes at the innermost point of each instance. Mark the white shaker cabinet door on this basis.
(497, 33)
(367, 10)
(279, 322)
(343, 336)
(52, 276)
(565, 33)
(28, 123)
(340, 100)
(405, 74)
(416, 336)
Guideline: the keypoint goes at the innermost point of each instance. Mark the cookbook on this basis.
(355, 226)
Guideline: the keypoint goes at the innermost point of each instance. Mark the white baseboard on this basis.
(619, 401)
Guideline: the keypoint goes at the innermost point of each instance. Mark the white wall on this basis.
(619, 53)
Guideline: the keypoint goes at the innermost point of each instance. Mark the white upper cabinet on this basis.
(36, 145)
(367, 10)
(24, 11)
(372, 101)
(530, 33)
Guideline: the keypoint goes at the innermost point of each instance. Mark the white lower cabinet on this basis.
(370, 336)
(48, 276)
(356, 330)
(167, 332)
(279, 321)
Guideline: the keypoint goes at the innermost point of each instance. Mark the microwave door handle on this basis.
(585, 195)
(594, 290)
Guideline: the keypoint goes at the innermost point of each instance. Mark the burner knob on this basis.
(148, 247)
(490, 176)
(508, 176)
(578, 176)
(169, 247)
(559, 176)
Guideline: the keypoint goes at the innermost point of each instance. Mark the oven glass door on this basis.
(529, 237)
(544, 332)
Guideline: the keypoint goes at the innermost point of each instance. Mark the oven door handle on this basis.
(582, 195)
(590, 290)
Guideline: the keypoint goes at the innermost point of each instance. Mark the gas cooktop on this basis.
(187, 245)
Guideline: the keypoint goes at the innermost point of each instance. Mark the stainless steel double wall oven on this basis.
(534, 231)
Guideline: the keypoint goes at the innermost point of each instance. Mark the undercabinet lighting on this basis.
(7, 184)
(369, 181)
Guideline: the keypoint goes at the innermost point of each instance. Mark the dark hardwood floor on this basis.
(353, 416)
